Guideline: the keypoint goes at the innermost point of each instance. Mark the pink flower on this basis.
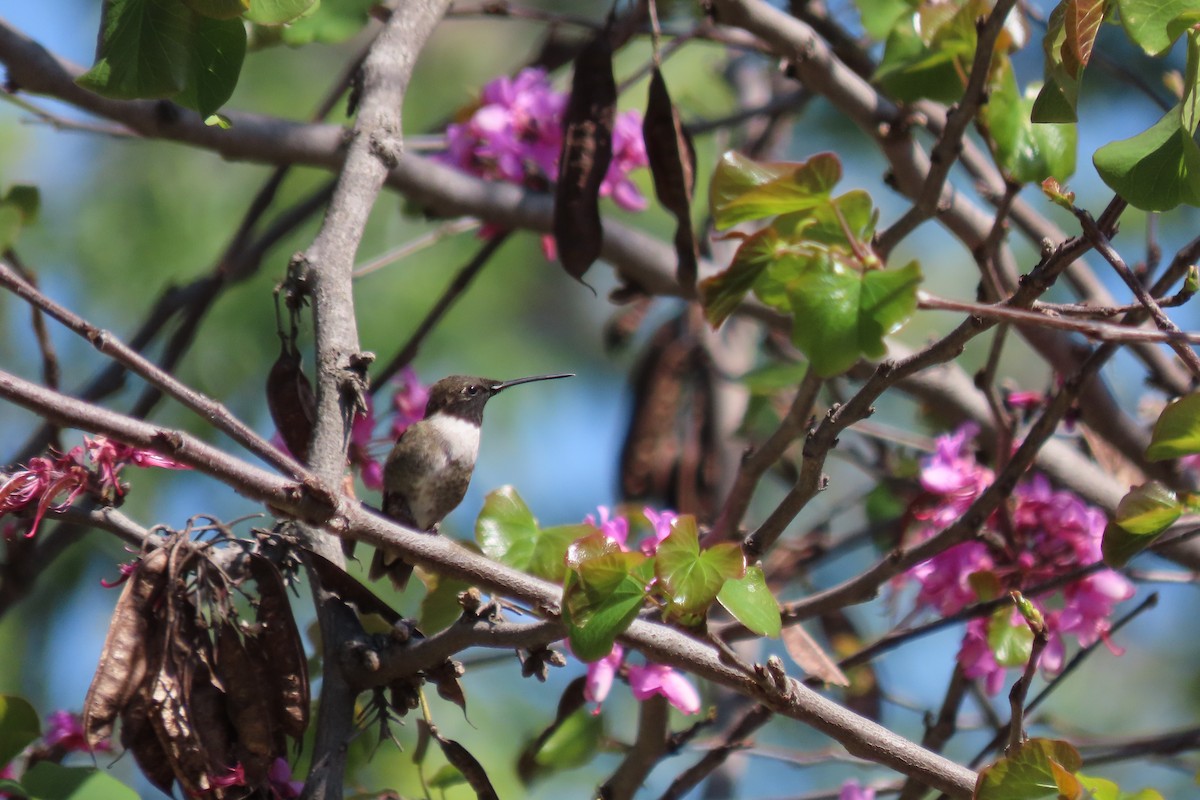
(515, 135)
(655, 679)
(44, 480)
(279, 776)
(408, 402)
(109, 456)
(853, 790)
(975, 656)
(662, 523)
(65, 730)
(359, 452)
(124, 570)
(600, 675)
(615, 529)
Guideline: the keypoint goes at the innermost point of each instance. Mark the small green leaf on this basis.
(332, 21)
(1011, 641)
(720, 294)
(440, 607)
(1141, 517)
(47, 781)
(219, 9)
(1155, 24)
(573, 743)
(1103, 789)
(217, 48)
(1177, 431)
(603, 591)
(446, 777)
(841, 314)
(1028, 152)
(18, 726)
(1036, 769)
(774, 377)
(276, 12)
(143, 49)
(690, 577)
(878, 16)
(1060, 88)
(12, 788)
(750, 602)
(1056, 193)
(743, 189)
(18, 208)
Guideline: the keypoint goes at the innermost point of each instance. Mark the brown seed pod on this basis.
(283, 650)
(672, 159)
(586, 153)
(462, 760)
(291, 401)
(350, 589)
(139, 737)
(123, 661)
(259, 738)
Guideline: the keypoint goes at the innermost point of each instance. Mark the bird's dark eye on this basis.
(472, 390)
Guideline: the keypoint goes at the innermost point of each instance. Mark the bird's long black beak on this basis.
(497, 387)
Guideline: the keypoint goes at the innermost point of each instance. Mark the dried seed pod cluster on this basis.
(201, 689)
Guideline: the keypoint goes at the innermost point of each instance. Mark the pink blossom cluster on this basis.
(54, 482)
(515, 135)
(279, 780)
(645, 680)
(64, 735)
(408, 406)
(1043, 533)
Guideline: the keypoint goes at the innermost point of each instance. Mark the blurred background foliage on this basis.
(124, 219)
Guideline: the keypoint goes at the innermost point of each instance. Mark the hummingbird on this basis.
(427, 473)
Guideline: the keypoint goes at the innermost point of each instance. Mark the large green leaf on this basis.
(217, 49)
(751, 603)
(219, 9)
(276, 12)
(47, 781)
(743, 189)
(1037, 769)
(1028, 152)
(928, 54)
(18, 726)
(841, 314)
(689, 577)
(507, 532)
(143, 50)
(1155, 170)
(1177, 431)
(1156, 24)
(878, 16)
(720, 294)
(1141, 517)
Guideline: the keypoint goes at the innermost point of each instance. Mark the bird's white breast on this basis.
(460, 438)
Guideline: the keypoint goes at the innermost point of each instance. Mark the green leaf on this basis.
(12, 788)
(930, 62)
(1081, 24)
(276, 12)
(1011, 641)
(447, 777)
(1036, 769)
(720, 294)
(1103, 789)
(18, 208)
(47, 781)
(332, 21)
(18, 726)
(841, 315)
(1155, 24)
(774, 377)
(689, 577)
(878, 16)
(219, 9)
(143, 49)
(1141, 517)
(1177, 431)
(573, 743)
(743, 189)
(440, 607)
(1027, 152)
(217, 48)
(1155, 170)
(750, 602)
(1060, 89)
(603, 591)
(507, 532)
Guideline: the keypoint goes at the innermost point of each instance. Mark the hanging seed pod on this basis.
(672, 161)
(123, 661)
(291, 401)
(467, 764)
(258, 738)
(139, 737)
(586, 153)
(287, 674)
